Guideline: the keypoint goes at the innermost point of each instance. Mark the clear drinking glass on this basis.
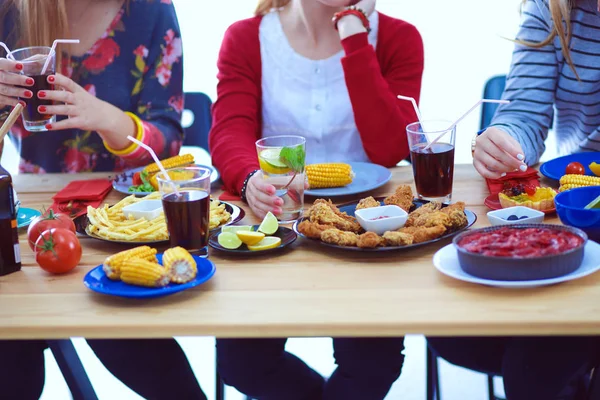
(433, 167)
(186, 202)
(33, 60)
(282, 161)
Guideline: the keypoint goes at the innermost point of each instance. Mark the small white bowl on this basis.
(500, 217)
(367, 218)
(149, 209)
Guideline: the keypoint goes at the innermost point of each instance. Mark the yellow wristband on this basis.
(139, 136)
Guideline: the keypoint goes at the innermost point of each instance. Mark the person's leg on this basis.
(367, 368)
(262, 369)
(22, 370)
(547, 367)
(153, 368)
(481, 354)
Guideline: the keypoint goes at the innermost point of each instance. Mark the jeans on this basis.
(153, 368)
(545, 368)
(262, 369)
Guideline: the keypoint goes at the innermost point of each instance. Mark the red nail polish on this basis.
(41, 94)
(21, 102)
(42, 109)
(48, 126)
(28, 94)
(51, 78)
(19, 67)
(29, 81)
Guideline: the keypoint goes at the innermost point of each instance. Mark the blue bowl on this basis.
(570, 207)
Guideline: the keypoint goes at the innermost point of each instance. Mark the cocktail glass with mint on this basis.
(281, 161)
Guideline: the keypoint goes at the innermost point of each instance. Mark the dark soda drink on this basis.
(187, 217)
(10, 254)
(30, 112)
(433, 170)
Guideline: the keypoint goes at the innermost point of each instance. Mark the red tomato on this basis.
(137, 180)
(45, 222)
(575, 168)
(58, 250)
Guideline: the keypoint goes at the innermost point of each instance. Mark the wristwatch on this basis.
(474, 141)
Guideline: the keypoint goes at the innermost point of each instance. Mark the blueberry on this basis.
(524, 216)
(512, 218)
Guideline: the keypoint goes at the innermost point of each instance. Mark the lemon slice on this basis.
(236, 228)
(229, 240)
(270, 163)
(269, 224)
(270, 242)
(250, 238)
(595, 168)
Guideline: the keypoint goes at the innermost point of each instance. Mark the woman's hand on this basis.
(497, 153)
(12, 85)
(350, 24)
(86, 112)
(261, 196)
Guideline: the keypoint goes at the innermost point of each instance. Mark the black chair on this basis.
(199, 104)
(72, 369)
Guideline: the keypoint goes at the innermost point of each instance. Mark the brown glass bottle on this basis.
(10, 253)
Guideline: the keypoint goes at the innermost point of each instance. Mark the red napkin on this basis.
(77, 195)
(528, 177)
(226, 196)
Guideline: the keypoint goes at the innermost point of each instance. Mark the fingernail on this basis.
(277, 210)
(41, 94)
(42, 109)
(503, 175)
(19, 67)
(278, 202)
(51, 78)
(521, 157)
(21, 102)
(28, 94)
(48, 126)
(29, 81)
(523, 168)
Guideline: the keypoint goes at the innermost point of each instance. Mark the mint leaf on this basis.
(293, 158)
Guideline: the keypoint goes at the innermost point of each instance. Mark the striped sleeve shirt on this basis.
(541, 83)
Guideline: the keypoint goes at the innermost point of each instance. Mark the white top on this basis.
(308, 98)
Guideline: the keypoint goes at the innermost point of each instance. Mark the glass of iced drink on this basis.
(33, 60)
(433, 165)
(282, 160)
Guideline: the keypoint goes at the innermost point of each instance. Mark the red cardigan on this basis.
(373, 78)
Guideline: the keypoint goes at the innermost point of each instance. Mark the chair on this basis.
(493, 89)
(72, 369)
(199, 105)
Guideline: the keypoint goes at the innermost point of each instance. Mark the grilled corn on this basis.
(172, 162)
(181, 265)
(136, 271)
(112, 265)
(329, 175)
(572, 181)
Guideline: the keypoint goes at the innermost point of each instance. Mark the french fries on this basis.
(111, 224)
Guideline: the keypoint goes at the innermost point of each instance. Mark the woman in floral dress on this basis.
(122, 80)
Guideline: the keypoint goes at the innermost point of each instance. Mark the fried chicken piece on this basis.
(403, 198)
(334, 209)
(312, 229)
(369, 202)
(324, 213)
(458, 220)
(459, 205)
(424, 209)
(370, 240)
(427, 220)
(423, 234)
(340, 238)
(395, 238)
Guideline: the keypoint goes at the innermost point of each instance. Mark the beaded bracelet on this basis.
(245, 185)
(352, 10)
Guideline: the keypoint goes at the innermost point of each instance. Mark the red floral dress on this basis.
(137, 66)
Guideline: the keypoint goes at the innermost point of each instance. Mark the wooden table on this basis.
(309, 290)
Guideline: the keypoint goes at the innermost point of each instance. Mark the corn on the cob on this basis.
(112, 265)
(572, 181)
(181, 264)
(136, 271)
(177, 175)
(329, 175)
(172, 162)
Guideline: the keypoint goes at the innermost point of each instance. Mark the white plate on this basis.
(446, 261)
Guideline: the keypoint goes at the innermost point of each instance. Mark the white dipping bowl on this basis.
(149, 209)
(368, 218)
(500, 217)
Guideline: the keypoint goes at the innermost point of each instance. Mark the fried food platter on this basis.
(428, 222)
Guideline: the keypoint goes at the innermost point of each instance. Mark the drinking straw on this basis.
(57, 41)
(434, 141)
(8, 52)
(10, 121)
(157, 161)
(414, 103)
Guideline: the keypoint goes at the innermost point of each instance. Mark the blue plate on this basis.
(123, 181)
(367, 177)
(25, 216)
(97, 281)
(555, 169)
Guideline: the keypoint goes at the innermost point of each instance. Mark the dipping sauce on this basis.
(380, 217)
(520, 243)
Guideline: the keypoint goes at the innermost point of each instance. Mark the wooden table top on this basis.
(308, 290)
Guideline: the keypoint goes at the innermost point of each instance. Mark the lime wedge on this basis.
(269, 224)
(229, 240)
(594, 204)
(250, 238)
(270, 242)
(270, 163)
(236, 228)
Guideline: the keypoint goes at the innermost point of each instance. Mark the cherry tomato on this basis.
(45, 222)
(530, 189)
(58, 250)
(575, 168)
(136, 180)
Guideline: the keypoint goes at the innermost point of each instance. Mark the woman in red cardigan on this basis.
(290, 71)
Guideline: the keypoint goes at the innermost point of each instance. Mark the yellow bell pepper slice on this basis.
(595, 168)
